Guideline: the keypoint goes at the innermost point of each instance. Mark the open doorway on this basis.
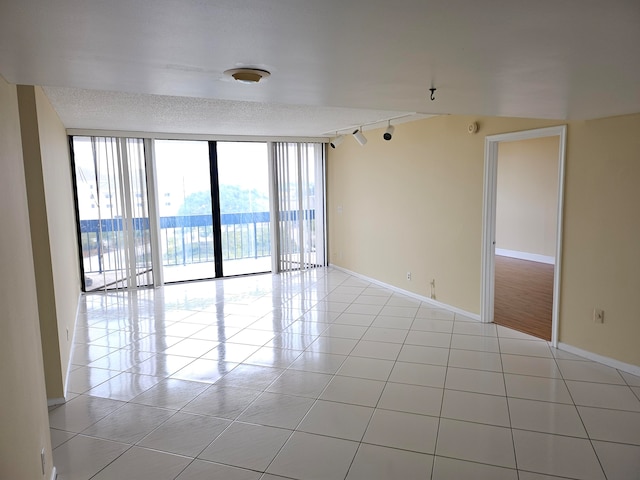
(526, 223)
(519, 231)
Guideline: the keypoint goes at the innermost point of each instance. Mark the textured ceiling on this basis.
(334, 63)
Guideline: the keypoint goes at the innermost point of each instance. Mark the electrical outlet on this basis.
(598, 315)
(409, 276)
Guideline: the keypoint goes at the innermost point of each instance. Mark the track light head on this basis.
(336, 141)
(360, 138)
(388, 133)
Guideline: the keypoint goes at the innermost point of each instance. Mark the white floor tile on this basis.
(620, 462)
(556, 455)
(428, 355)
(129, 424)
(58, 437)
(546, 417)
(475, 442)
(223, 402)
(477, 343)
(124, 386)
(428, 339)
(534, 366)
(379, 350)
(589, 372)
(475, 407)
(304, 384)
(387, 321)
(170, 393)
(619, 397)
(339, 420)
(373, 462)
(82, 412)
(82, 457)
(475, 360)
(531, 348)
(452, 469)
(406, 431)
(411, 399)
(537, 388)
(356, 391)
(305, 456)
(200, 469)
(390, 335)
(475, 328)
(143, 464)
(185, 434)
(254, 377)
(247, 446)
(276, 410)
(611, 425)
(430, 325)
(477, 381)
(418, 374)
(369, 368)
(310, 361)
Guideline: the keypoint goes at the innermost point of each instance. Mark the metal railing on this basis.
(184, 239)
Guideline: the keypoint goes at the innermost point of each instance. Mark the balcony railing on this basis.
(184, 239)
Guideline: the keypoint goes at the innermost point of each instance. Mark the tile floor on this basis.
(320, 375)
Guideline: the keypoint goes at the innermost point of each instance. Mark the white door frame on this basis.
(489, 219)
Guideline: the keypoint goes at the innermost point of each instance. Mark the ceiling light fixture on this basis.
(360, 138)
(337, 141)
(247, 75)
(388, 133)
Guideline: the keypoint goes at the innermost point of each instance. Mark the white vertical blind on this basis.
(299, 187)
(113, 210)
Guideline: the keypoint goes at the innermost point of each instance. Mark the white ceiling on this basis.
(157, 65)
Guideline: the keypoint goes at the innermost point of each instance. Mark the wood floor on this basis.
(524, 296)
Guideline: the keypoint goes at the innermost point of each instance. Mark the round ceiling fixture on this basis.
(247, 75)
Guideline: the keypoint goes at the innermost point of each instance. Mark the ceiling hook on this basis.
(433, 91)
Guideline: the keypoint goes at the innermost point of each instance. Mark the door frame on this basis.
(489, 219)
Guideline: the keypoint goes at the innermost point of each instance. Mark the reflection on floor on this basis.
(321, 375)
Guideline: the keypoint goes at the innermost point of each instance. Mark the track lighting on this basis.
(388, 133)
(360, 138)
(337, 141)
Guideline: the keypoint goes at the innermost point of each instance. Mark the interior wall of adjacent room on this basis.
(24, 425)
(415, 204)
(527, 196)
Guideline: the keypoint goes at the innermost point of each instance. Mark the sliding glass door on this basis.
(213, 214)
(185, 210)
(243, 179)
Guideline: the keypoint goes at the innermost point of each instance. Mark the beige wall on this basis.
(24, 424)
(415, 204)
(527, 196)
(49, 191)
(601, 258)
(58, 188)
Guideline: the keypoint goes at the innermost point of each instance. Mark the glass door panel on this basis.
(243, 177)
(185, 209)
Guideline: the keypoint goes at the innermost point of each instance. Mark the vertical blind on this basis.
(113, 212)
(299, 189)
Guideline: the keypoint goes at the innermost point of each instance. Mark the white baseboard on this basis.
(625, 367)
(73, 342)
(533, 257)
(54, 473)
(52, 402)
(422, 298)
